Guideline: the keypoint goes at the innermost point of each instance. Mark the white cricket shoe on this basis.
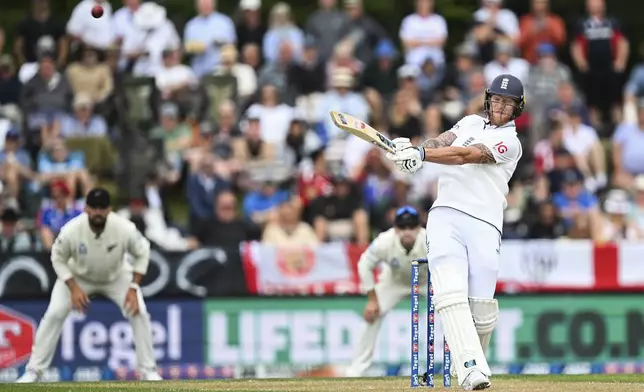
(475, 381)
(150, 376)
(28, 377)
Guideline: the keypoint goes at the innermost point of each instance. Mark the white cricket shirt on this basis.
(476, 189)
(79, 252)
(388, 250)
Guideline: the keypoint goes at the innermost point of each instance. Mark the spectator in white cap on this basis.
(152, 33)
(250, 28)
(618, 224)
(204, 35)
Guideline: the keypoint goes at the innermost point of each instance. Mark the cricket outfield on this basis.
(562, 383)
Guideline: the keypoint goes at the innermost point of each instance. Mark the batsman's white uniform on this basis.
(97, 264)
(464, 239)
(394, 284)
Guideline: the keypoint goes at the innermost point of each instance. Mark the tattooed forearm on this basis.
(443, 140)
(486, 156)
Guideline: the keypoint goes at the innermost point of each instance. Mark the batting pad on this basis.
(451, 303)
(485, 312)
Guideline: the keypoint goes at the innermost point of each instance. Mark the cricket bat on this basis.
(362, 130)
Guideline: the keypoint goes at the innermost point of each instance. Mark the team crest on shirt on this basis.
(395, 263)
(82, 249)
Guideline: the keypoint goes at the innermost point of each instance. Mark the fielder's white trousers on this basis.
(50, 327)
(389, 294)
(458, 238)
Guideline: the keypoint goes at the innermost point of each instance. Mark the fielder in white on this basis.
(394, 249)
(464, 226)
(89, 258)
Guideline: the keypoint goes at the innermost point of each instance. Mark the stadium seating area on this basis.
(219, 133)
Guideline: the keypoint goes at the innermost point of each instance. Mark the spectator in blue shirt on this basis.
(52, 218)
(261, 205)
(573, 200)
(57, 163)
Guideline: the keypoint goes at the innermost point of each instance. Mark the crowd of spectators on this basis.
(265, 162)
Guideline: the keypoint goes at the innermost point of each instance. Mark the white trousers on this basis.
(458, 238)
(389, 294)
(51, 324)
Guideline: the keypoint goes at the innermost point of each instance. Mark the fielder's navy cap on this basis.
(407, 216)
(98, 198)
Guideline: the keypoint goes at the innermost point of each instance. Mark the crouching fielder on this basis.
(395, 249)
(89, 258)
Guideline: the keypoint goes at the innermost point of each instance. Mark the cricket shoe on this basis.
(476, 381)
(150, 376)
(28, 377)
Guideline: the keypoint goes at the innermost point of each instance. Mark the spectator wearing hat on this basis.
(53, 217)
(544, 79)
(380, 75)
(281, 28)
(174, 79)
(39, 23)
(90, 76)
(583, 142)
(175, 138)
(339, 216)
(95, 32)
(539, 27)
(202, 187)
(574, 199)
(617, 223)
(423, 35)
(45, 97)
(505, 62)
(243, 73)
(83, 122)
(9, 83)
(324, 26)
(342, 98)
(205, 34)
(253, 148)
(13, 239)
(250, 28)
(628, 148)
(15, 164)
(144, 44)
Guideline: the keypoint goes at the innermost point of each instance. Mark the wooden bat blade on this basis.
(362, 130)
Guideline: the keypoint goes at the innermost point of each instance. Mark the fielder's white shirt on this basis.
(78, 252)
(387, 250)
(480, 190)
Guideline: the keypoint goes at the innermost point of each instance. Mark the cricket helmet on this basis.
(407, 216)
(505, 85)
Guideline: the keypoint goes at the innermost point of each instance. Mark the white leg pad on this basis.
(451, 303)
(485, 312)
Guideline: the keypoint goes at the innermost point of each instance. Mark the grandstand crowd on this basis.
(227, 135)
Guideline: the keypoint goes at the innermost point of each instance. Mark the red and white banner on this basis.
(524, 266)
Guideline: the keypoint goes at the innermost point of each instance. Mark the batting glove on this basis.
(408, 160)
(402, 143)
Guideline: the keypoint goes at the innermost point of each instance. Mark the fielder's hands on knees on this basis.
(131, 304)
(408, 158)
(80, 300)
(371, 311)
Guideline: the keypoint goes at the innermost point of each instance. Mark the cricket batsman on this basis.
(89, 258)
(395, 249)
(479, 155)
